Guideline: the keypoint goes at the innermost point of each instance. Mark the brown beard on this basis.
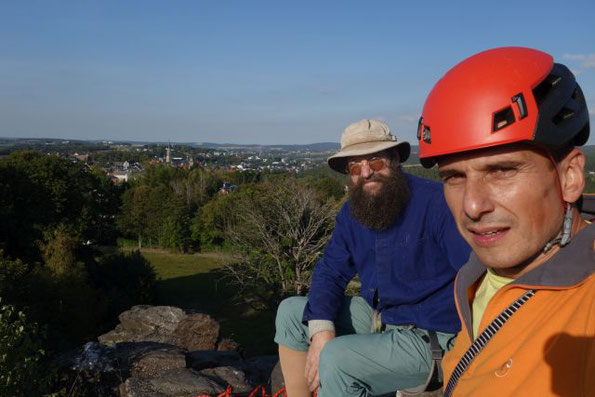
(380, 211)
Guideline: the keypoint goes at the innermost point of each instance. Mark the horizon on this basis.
(199, 144)
(255, 73)
(94, 140)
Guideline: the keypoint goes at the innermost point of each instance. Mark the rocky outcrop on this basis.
(208, 359)
(174, 382)
(162, 351)
(165, 324)
(230, 376)
(158, 362)
(197, 332)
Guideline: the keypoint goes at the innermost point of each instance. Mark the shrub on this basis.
(20, 354)
(126, 278)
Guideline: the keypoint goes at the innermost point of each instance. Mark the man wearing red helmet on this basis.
(503, 127)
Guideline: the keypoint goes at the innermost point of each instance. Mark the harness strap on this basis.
(435, 368)
(482, 340)
(437, 353)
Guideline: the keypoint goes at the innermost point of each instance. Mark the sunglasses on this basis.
(375, 163)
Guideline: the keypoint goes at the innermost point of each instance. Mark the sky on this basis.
(256, 72)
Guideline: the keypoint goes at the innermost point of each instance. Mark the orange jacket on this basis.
(547, 348)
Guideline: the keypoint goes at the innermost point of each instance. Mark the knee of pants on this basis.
(333, 357)
(289, 328)
(290, 311)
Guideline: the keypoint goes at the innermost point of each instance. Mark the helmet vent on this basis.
(562, 115)
(543, 89)
(425, 135)
(502, 118)
(519, 100)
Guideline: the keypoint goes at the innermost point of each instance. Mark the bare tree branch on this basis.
(280, 235)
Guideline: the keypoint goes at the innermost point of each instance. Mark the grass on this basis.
(195, 282)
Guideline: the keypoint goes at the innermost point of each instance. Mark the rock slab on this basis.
(165, 324)
(162, 351)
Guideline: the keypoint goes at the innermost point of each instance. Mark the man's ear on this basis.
(572, 175)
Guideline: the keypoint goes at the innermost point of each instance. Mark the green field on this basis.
(196, 282)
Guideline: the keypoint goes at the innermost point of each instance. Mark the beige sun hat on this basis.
(364, 137)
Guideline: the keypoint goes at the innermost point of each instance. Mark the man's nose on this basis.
(477, 200)
(366, 170)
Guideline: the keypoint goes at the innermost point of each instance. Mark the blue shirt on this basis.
(410, 266)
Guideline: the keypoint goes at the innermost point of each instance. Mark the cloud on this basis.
(322, 91)
(409, 117)
(574, 57)
(586, 61)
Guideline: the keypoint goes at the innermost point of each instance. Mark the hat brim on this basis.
(338, 162)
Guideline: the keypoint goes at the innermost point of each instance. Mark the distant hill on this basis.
(314, 147)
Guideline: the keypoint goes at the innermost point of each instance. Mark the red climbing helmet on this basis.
(501, 96)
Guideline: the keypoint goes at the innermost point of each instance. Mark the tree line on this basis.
(57, 289)
(62, 283)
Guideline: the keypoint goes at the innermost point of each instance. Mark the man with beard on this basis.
(397, 235)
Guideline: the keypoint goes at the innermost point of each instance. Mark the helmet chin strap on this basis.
(565, 236)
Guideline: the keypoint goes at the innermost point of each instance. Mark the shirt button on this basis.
(503, 370)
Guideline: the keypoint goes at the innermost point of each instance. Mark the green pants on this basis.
(359, 362)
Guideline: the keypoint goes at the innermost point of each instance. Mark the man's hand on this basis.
(319, 339)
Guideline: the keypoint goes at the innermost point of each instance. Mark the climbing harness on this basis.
(437, 353)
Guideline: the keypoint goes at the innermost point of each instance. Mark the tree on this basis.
(195, 188)
(159, 209)
(135, 213)
(61, 294)
(38, 193)
(279, 235)
(60, 256)
(209, 224)
(329, 187)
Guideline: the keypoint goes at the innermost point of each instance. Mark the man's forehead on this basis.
(491, 156)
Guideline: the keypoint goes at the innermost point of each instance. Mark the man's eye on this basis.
(503, 172)
(453, 178)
